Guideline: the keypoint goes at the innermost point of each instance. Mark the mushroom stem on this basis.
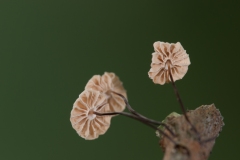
(141, 116)
(139, 119)
(208, 140)
(181, 103)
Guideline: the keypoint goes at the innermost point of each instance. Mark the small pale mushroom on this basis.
(107, 83)
(87, 124)
(168, 56)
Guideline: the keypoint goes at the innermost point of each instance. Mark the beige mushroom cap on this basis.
(87, 124)
(168, 56)
(106, 83)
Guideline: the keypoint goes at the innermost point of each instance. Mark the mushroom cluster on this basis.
(97, 97)
(100, 101)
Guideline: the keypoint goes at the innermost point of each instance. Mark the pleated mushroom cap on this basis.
(87, 124)
(168, 56)
(107, 83)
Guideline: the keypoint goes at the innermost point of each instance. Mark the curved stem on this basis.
(208, 140)
(181, 103)
(143, 117)
(139, 119)
(128, 105)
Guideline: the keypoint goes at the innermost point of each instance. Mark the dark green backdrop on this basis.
(50, 49)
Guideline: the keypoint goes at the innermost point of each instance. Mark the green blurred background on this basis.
(50, 49)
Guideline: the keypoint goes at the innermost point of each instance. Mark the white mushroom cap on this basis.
(87, 124)
(168, 56)
(106, 83)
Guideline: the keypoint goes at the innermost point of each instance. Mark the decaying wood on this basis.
(191, 145)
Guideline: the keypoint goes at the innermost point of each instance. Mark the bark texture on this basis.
(191, 145)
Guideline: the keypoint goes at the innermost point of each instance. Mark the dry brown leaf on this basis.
(208, 122)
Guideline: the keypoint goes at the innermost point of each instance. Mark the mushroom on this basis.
(87, 124)
(168, 58)
(107, 84)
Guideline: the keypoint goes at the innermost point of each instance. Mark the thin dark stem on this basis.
(162, 133)
(116, 113)
(136, 113)
(208, 140)
(139, 119)
(127, 104)
(181, 103)
(143, 117)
